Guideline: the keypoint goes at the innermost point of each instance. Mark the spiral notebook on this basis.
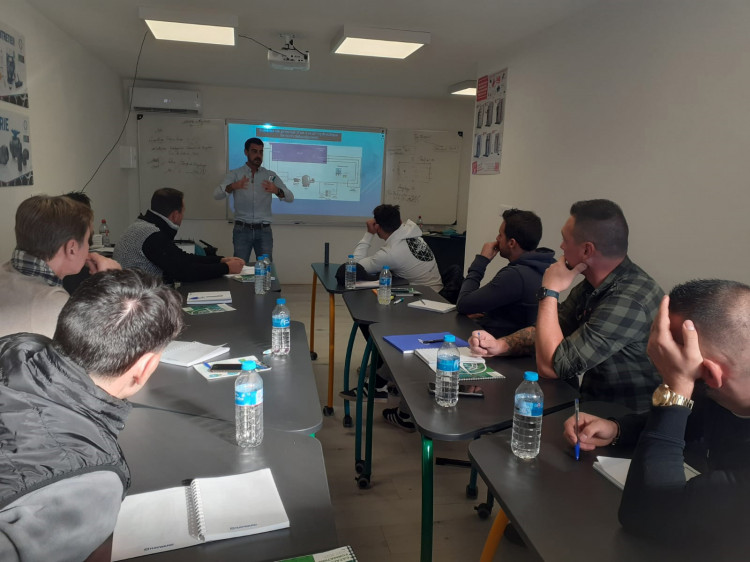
(209, 509)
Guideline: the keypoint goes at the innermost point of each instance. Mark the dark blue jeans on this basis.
(246, 239)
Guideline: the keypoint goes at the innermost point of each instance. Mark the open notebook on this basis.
(209, 509)
(471, 368)
(616, 470)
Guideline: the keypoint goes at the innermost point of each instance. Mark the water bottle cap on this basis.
(351, 256)
(531, 376)
(386, 267)
(450, 338)
(280, 301)
(248, 365)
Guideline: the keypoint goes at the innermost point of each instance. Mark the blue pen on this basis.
(578, 440)
(207, 365)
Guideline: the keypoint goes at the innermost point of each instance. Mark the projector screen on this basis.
(336, 174)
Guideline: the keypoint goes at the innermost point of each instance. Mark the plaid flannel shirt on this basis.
(26, 264)
(606, 331)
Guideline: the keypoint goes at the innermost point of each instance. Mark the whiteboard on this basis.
(422, 171)
(184, 153)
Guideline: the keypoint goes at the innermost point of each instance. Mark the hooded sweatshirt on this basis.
(406, 253)
(509, 300)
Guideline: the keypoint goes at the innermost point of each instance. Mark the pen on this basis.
(431, 341)
(578, 440)
(398, 301)
(205, 297)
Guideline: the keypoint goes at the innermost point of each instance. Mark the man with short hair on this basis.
(404, 251)
(508, 302)
(52, 242)
(250, 189)
(148, 244)
(63, 402)
(700, 344)
(601, 330)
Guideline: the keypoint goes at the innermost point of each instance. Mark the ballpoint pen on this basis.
(578, 440)
(398, 301)
(439, 340)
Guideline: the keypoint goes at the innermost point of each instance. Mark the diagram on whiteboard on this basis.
(317, 172)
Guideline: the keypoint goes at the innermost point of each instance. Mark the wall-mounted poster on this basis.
(15, 148)
(488, 127)
(13, 88)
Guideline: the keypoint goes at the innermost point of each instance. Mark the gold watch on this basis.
(665, 396)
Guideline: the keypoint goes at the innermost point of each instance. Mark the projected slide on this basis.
(334, 173)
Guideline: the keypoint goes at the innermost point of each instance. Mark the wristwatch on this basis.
(665, 396)
(544, 292)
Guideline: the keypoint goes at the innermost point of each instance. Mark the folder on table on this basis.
(409, 342)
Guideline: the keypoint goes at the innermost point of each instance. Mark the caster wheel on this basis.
(348, 423)
(313, 355)
(471, 492)
(327, 411)
(483, 510)
(363, 482)
(359, 466)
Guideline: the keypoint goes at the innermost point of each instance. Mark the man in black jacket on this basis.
(700, 344)
(62, 404)
(148, 244)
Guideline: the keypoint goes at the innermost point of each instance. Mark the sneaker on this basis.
(399, 419)
(381, 394)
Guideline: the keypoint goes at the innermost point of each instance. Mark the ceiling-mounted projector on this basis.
(289, 57)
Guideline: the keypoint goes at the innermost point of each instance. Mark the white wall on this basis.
(75, 116)
(643, 102)
(296, 246)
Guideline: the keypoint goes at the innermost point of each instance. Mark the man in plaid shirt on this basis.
(601, 330)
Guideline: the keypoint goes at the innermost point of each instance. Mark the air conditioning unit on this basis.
(167, 101)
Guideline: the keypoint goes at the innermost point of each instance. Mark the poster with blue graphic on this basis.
(15, 148)
(13, 83)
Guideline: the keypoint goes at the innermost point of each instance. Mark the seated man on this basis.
(601, 330)
(700, 343)
(508, 302)
(404, 251)
(63, 404)
(148, 244)
(52, 242)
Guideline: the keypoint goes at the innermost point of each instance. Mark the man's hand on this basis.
(679, 364)
(97, 262)
(592, 431)
(270, 187)
(489, 250)
(558, 277)
(239, 184)
(234, 264)
(372, 226)
(485, 345)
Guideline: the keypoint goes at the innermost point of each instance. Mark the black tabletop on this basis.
(327, 276)
(471, 417)
(165, 448)
(364, 308)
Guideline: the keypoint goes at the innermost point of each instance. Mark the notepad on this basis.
(209, 509)
(209, 297)
(616, 470)
(472, 368)
(188, 353)
(205, 368)
(432, 306)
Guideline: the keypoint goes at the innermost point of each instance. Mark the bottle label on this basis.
(529, 408)
(280, 321)
(446, 364)
(252, 398)
(385, 282)
(351, 268)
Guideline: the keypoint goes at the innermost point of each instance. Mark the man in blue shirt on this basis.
(250, 189)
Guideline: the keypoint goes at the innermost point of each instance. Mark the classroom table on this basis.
(471, 417)
(563, 509)
(165, 448)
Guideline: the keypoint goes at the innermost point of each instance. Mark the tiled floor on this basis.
(382, 523)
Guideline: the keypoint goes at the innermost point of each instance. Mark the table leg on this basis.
(313, 355)
(347, 366)
(359, 464)
(427, 491)
(328, 410)
(370, 403)
(494, 536)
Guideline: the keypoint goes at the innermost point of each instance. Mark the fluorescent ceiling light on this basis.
(465, 88)
(374, 42)
(194, 27)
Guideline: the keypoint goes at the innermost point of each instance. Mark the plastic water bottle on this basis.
(248, 406)
(104, 231)
(384, 286)
(446, 378)
(260, 276)
(281, 337)
(269, 274)
(350, 274)
(527, 417)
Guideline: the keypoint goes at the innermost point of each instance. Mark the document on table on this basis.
(342, 554)
(209, 509)
(616, 470)
(471, 367)
(209, 297)
(432, 306)
(205, 368)
(188, 353)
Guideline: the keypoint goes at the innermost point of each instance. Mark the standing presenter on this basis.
(250, 189)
